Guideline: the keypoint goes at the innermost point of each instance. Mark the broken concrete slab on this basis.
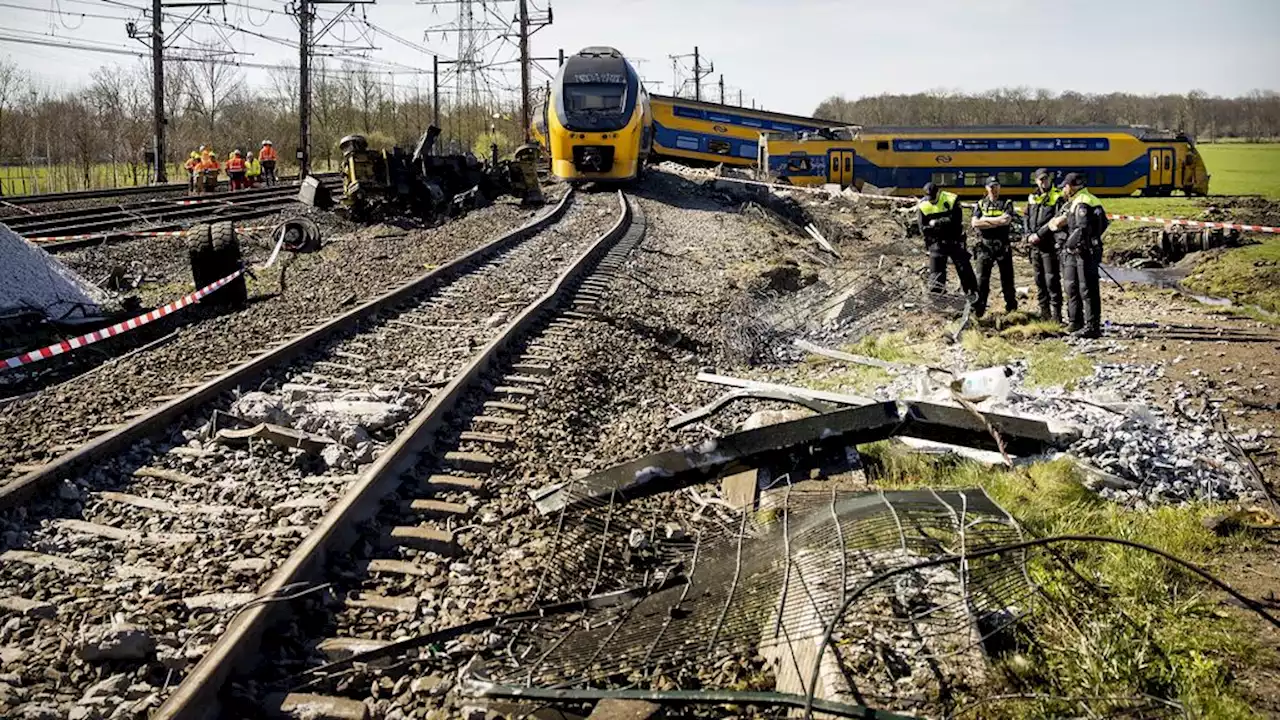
(278, 435)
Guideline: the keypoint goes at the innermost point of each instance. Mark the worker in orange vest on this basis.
(192, 166)
(236, 170)
(267, 156)
(209, 168)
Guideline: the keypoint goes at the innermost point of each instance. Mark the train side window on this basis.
(798, 163)
(945, 179)
(882, 145)
(719, 147)
(973, 179)
(1009, 178)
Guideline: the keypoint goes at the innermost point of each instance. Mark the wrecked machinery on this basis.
(381, 182)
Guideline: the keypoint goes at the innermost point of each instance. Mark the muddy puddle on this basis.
(1169, 277)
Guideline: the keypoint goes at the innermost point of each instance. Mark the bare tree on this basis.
(12, 82)
(212, 79)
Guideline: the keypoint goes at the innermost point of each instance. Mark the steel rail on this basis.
(197, 695)
(41, 198)
(114, 219)
(111, 237)
(160, 418)
(42, 223)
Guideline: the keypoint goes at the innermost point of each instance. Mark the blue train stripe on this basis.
(1098, 176)
(691, 141)
(726, 118)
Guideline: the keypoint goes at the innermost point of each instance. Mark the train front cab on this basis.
(599, 122)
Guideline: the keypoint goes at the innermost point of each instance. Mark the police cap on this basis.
(1073, 180)
(992, 180)
(1042, 172)
(930, 189)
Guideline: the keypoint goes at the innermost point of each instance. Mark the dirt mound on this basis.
(1247, 209)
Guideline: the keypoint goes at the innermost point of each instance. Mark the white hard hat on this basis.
(266, 142)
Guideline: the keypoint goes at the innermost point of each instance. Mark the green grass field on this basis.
(1243, 168)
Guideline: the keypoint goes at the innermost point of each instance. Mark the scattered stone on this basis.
(114, 685)
(260, 407)
(122, 641)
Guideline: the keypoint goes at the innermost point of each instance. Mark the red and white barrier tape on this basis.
(76, 343)
(1197, 223)
(1137, 218)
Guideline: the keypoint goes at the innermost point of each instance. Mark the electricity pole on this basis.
(435, 88)
(722, 88)
(306, 14)
(698, 73)
(528, 26)
(156, 42)
(524, 69)
(157, 90)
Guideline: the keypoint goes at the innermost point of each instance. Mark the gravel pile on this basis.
(350, 269)
(150, 564)
(33, 280)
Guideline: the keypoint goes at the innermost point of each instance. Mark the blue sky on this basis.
(787, 55)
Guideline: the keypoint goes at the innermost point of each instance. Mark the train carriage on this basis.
(709, 133)
(1116, 160)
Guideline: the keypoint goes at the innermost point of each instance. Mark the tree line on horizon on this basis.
(1251, 117)
(99, 135)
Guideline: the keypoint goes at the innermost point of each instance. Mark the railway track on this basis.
(70, 229)
(170, 531)
(20, 201)
(438, 468)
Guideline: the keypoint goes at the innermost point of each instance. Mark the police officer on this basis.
(1084, 221)
(941, 223)
(993, 218)
(1043, 206)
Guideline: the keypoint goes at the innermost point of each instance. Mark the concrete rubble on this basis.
(1132, 450)
(345, 418)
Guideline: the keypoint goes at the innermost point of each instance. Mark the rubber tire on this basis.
(226, 249)
(214, 253)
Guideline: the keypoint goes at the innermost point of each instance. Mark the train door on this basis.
(840, 167)
(1161, 174)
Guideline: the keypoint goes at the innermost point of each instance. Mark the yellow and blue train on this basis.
(709, 133)
(597, 123)
(1116, 160)
(601, 124)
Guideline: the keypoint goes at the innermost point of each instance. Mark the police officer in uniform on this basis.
(1084, 221)
(993, 218)
(941, 223)
(1043, 206)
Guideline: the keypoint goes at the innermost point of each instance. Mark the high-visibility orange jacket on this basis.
(235, 164)
(268, 153)
(210, 163)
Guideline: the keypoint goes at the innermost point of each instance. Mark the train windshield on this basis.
(595, 97)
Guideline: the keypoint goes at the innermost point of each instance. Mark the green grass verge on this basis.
(1243, 168)
(1050, 363)
(1248, 275)
(1153, 632)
